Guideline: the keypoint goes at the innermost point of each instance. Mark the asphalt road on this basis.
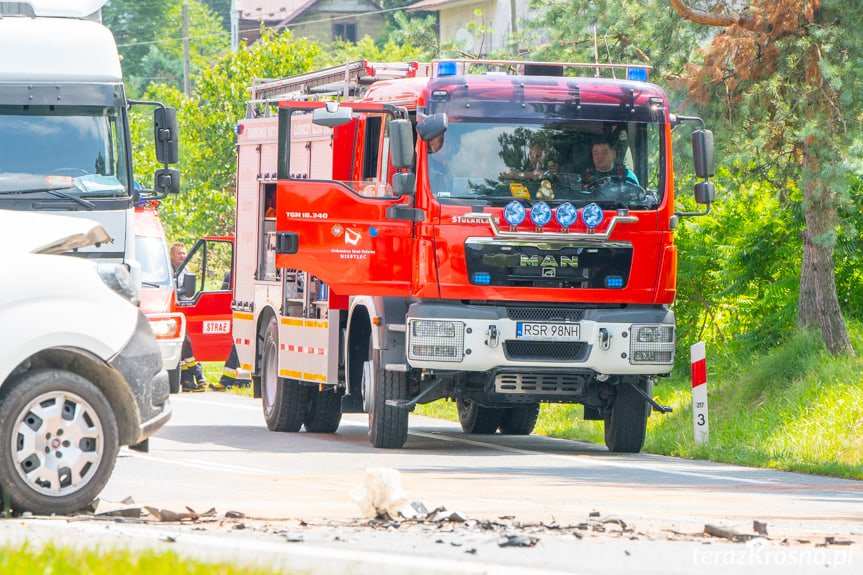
(531, 504)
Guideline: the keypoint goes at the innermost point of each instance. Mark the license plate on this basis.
(547, 331)
(217, 327)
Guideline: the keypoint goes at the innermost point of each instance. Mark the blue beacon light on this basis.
(592, 215)
(514, 213)
(540, 214)
(446, 69)
(566, 215)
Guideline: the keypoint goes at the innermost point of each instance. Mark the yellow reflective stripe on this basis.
(292, 321)
(246, 366)
(315, 323)
(232, 373)
(315, 377)
(245, 316)
(291, 374)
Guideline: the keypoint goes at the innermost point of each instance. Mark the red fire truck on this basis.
(502, 261)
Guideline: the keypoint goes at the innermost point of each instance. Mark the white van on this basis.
(80, 370)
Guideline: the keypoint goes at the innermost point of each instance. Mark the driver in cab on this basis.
(605, 167)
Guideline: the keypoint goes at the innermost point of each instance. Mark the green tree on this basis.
(786, 76)
(207, 120)
(150, 39)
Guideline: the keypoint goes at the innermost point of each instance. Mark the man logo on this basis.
(548, 262)
(549, 272)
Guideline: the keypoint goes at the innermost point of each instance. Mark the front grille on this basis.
(545, 350)
(544, 314)
(547, 383)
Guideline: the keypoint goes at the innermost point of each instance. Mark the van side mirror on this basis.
(702, 153)
(167, 135)
(187, 289)
(401, 143)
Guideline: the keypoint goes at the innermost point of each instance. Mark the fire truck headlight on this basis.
(540, 214)
(117, 277)
(436, 340)
(651, 344)
(514, 213)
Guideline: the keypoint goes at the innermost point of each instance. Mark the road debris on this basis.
(729, 534)
(517, 540)
(759, 527)
(168, 516)
(381, 493)
(125, 508)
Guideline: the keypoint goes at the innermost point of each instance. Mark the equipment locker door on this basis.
(332, 198)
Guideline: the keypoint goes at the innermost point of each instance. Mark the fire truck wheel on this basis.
(388, 425)
(59, 441)
(519, 420)
(285, 401)
(477, 419)
(325, 411)
(626, 426)
(174, 380)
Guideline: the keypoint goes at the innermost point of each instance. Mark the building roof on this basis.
(271, 9)
(433, 5)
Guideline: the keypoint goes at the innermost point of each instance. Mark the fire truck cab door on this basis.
(207, 306)
(333, 192)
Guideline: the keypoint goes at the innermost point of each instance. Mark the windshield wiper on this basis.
(56, 193)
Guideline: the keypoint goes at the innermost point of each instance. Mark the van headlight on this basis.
(168, 326)
(651, 344)
(436, 340)
(117, 277)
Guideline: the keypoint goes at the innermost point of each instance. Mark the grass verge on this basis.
(27, 559)
(795, 408)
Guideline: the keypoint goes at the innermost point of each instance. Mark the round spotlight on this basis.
(514, 213)
(566, 215)
(592, 215)
(540, 214)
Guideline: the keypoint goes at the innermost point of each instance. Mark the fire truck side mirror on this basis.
(432, 126)
(404, 183)
(702, 153)
(401, 143)
(705, 192)
(167, 136)
(332, 115)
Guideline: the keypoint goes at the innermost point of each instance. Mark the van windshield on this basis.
(153, 257)
(80, 150)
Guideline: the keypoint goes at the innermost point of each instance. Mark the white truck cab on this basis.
(64, 120)
(80, 370)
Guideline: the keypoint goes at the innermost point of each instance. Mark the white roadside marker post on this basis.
(698, 357)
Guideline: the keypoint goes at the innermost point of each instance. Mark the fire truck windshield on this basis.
(80, 150)
(495, 162)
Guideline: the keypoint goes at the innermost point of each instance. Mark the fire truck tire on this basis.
(285, 401)
(59, 441)
(388, 425)
(519, 420)
(626, 425)
(325, 411)
(174, 380)
(477, 419)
